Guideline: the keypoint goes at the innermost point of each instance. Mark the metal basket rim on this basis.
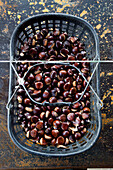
(98, 83)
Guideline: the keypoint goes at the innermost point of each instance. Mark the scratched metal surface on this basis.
(99, 14)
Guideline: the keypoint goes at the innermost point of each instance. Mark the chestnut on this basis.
(64, 126)
(56, 124)
(60, 140)
(53, 100)
(39, 85)
(65, 133)
(55, 133)
(37, 110)
(47, 80)
(34, 118)
(77, 135)
(40, 125)
(27, 101)
(45, 94)
(62, 73)
(62, 117)
(71, 116)
(33, 133)
(38, 77)
(31, 77)
(42, 55)
(67, 86)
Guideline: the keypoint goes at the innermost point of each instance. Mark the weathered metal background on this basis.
(99, 14)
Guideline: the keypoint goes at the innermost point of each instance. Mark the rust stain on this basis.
(106, 95)
(5, 30)
(98, 26)
(109, 74)
(45, 10)
(83, 13)
(102, 74)
(105, 32)
(61, 9)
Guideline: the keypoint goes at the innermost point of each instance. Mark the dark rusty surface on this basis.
(99, 14)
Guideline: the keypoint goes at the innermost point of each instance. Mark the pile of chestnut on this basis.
(53, 125)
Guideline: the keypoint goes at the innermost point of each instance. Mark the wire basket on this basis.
(73, 26)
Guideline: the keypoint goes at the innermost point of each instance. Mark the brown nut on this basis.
(87, 103)
(74, 83)
(31, 77)
(34, 118)
(65, 110)
(36, 93)
(64, 126)
(47, 80)
(48, 137)
(40, 125)
(76, 105)
(37, 110)
(48, 130)
(33, 133)
(68, 99)
(67, 86)
(71, 139)
(62, 117)
(28, 109)
(66, 94)
(60, 140)
(54, 114)
(56, 124)
(85, 115)
(47, 114)
(77, 122)
(62, 37)
(43, 141)
(21, 92)
(33, 125)
(28, 116)
(62, 73)
(75, 50)
(77, 135)
(42, 55)
(19, 98)
(86, 110)
(41, 133)
(65, 133)
(45, 42)
(57, 109)
(73, 90)
(66, 141)
(83, 131)
(60, 84)
(50, 121)
(27, 101)
(53, 100)
(53, 142)
(55, 133)
(53, 74)
(39, 85)
(58, 44)
(71, 116)
(45, 94)
(42, 115)
(38, 77)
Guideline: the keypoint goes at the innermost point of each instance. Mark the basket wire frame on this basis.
(74, 26)
(22, 80)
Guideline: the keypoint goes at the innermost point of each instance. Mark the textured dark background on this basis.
(99, 14)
